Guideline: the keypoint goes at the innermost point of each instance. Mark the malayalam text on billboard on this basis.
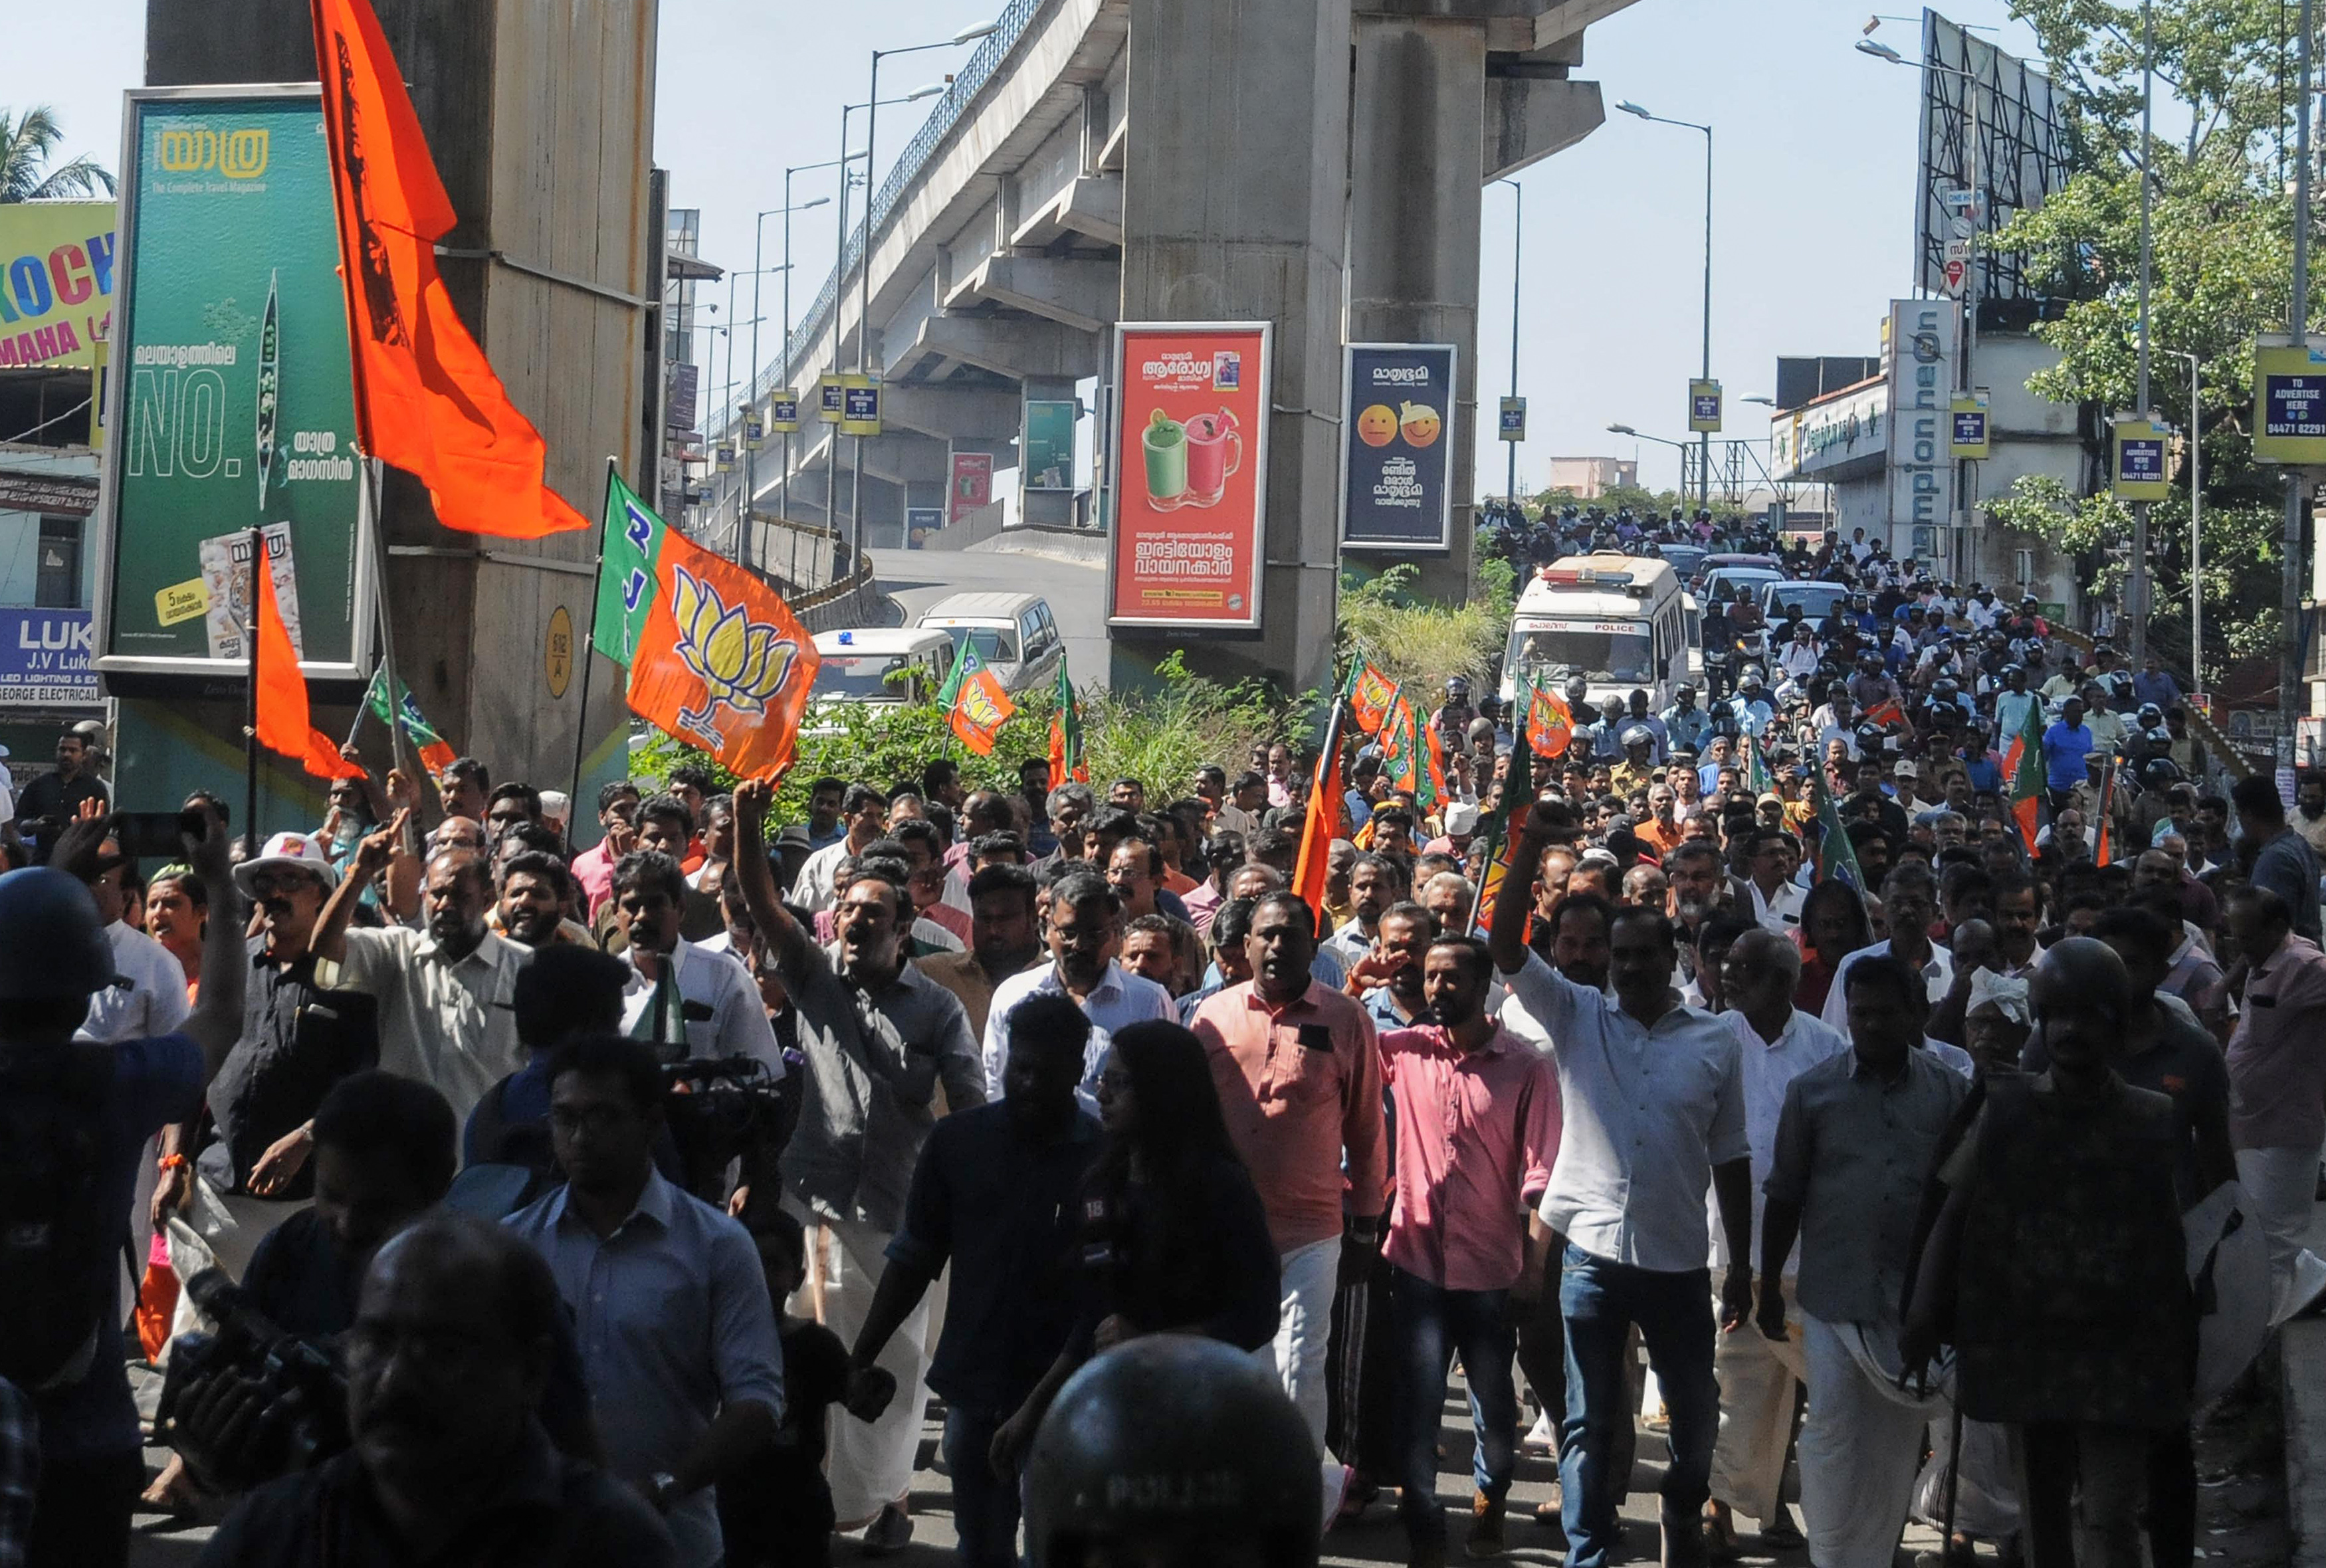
(1397, 438)
(233, 407)
(1191, 460)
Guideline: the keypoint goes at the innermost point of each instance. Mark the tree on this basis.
(2222, 271)
(27, 141)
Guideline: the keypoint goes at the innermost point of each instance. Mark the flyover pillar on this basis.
(1415, 166)
(1236, 208)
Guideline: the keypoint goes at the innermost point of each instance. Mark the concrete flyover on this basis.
(1315, 162)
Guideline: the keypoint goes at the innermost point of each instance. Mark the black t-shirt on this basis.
(297, 1041)
(781, 1499)
(50, 796)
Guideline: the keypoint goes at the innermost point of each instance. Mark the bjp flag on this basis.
(1549, 727)
(976, 705)
(426, 399)
(715, 658)
(283, 725)
(1370, 695)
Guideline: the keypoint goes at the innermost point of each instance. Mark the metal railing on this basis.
(967, 83)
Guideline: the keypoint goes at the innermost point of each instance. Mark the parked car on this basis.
(1013, 633)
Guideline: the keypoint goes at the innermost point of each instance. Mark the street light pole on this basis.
(2136, 610)
(1703, 438)
(2290, 696)
(2196, 522)
(1517, 235)
(784, 506)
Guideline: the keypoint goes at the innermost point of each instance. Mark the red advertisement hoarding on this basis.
(971, 485)
(1190, 473)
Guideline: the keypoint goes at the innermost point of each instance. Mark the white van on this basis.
(1618, 621)
(889, 664)
(1012, 632)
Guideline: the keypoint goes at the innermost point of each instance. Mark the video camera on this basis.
(724, 1108)
(302, 1389)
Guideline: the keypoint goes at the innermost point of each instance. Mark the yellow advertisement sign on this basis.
(2138, 460)
(1971, 436)
(783, 412)
(56, 283)
(860, 405)
(1704, 405)
(2289, 421)
(827, 399)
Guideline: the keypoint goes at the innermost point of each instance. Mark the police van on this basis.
(1617, 621)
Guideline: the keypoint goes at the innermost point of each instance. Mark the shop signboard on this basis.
(1190, 438)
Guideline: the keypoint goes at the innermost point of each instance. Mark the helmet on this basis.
(2151, 716)
(2159, 773)
(1612, 707)
(1638, 735)
(1577, 689)
(1749, 681)
(53, 945)
(1179, 1445)
(1457, 686)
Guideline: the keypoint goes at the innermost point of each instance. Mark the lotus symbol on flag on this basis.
(741, 661)
(977, 706)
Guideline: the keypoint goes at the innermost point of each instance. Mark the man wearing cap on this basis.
(297, 1041)
(447, 1016)
(1461, 824)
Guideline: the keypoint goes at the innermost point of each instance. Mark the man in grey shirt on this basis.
(878, 1036)
(2284, 863)
(1855, 1143)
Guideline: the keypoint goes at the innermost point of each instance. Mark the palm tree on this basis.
(26, 142)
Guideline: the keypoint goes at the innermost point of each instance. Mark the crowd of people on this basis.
(640, 1204)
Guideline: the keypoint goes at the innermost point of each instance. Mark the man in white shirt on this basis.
(148, 996)
(1758, 1376)
(445, 992)
(1777, 899)
(1085, 930)
(1654, 1097)
(685, 999)
(1910, 900)
(864, 813)
(1375, 882)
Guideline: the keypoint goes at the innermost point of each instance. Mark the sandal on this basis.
(1720, 1543)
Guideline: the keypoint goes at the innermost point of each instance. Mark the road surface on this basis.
(917, 579)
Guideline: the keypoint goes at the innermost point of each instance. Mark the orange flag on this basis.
(1328, 818)
(426, 398)
(283, 723)
(722, 664)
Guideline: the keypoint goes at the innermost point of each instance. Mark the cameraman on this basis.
(453, 1345)
(74, 1124)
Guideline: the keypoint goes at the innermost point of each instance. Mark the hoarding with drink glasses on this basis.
(1190, 442)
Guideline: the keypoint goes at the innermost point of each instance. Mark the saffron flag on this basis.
(1400, 742)
(426, 398)
(976, 705)
(1066, 735)
(1370, 695)
(1835, 855)
(435, 755)
(283, 725)
(2104, 844)
(1328, 818)
(716, 659)
(2023, 774)
(1885, 713)
(1551, 728)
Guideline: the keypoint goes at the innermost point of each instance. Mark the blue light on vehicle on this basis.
(848, 639)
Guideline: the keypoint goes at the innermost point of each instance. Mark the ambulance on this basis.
(1620, 622)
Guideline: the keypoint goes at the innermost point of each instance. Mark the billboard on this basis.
(44, 658)
(1704, 407)
(1920, 348)
(2138, 456)
(56, 291)
(1190, 439)
(1971, 437)
(2289, 402)
(969, 484)
(1979, 100)
(1511, 420)
(229, 399)
(1397, 435)
(1048, 443)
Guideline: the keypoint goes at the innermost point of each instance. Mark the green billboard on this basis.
(1049, 442)
(230, 404)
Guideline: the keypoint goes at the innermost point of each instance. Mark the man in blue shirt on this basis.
(1979, 766)
(2154, 684)
(2066, 744)
(677, 1335)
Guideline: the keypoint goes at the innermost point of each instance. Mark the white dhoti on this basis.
(1859, 1450)
(2283, 1185)
(1757, 1377)
(869, 1465)
(1987, 1485)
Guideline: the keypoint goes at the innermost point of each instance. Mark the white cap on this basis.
(557, 804)
(1461, 819)
(299, 851)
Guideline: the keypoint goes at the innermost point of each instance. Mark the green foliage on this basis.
(2222, 271)
(1417, 642)
(1159, 738)
(1639, 499)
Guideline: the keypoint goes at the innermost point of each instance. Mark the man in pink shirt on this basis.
(593, 869)
(1299, 1079)
(1477, 1130)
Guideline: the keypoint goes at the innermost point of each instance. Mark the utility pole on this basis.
(2290, 695)
(1518, 235)
(2136, 609)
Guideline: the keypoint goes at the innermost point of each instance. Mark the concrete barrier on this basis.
(1079, 546)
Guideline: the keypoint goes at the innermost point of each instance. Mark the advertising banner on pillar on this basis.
(1396, 418)
(230, 401)
(970, 486)
(1919, 342)
(2136, 466)
(783, 413)
(2289, 403)
(1046, 445)
(1511, 419)
(1704, 407)
(827, 399)
(1190, 438)
(56, 283)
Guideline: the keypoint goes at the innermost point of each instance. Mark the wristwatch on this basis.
(662, 1490)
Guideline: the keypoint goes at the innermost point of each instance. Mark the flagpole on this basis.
(589, 648)
(399, 743)
(250, 710)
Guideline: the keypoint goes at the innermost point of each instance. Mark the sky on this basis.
(1812, 210)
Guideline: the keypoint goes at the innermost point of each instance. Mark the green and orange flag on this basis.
(715, 658)
(1066, 735)
(2023, 774)
(1370, 695)
(1501, 835)
(976, 705)
(1835, 854)
(435, 752)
